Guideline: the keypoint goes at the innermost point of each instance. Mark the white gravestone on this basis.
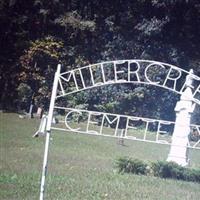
(184, 108)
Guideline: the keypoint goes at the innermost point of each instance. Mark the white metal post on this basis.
(48, 131)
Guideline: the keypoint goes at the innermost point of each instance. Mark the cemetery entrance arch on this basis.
(145, 72)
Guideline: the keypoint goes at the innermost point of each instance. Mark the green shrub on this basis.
(160, 169)
(191, 175)
(167, 170)
(128, 165)
(175, 171)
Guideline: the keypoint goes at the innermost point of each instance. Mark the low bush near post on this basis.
(128, 165)
(173, 170)
(160, 169)
(167, 170)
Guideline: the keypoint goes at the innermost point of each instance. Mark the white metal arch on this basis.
(95, 75)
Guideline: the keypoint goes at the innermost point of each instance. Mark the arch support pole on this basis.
(48, 131)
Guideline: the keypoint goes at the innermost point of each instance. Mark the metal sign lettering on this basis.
(127, 71)
(96, 122)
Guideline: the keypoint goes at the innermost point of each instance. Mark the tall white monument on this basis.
(184, 108)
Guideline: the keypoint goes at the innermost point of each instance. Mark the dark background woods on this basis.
(37, 34)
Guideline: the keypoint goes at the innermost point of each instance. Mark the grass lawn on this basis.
(81, 167)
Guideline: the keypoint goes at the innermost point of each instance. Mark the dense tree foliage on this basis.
(37, 34)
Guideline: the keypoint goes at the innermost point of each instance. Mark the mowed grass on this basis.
(80, 167)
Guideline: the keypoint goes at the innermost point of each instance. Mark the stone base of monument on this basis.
(179, 152)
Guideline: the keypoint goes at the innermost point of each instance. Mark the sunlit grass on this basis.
(80, 166)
